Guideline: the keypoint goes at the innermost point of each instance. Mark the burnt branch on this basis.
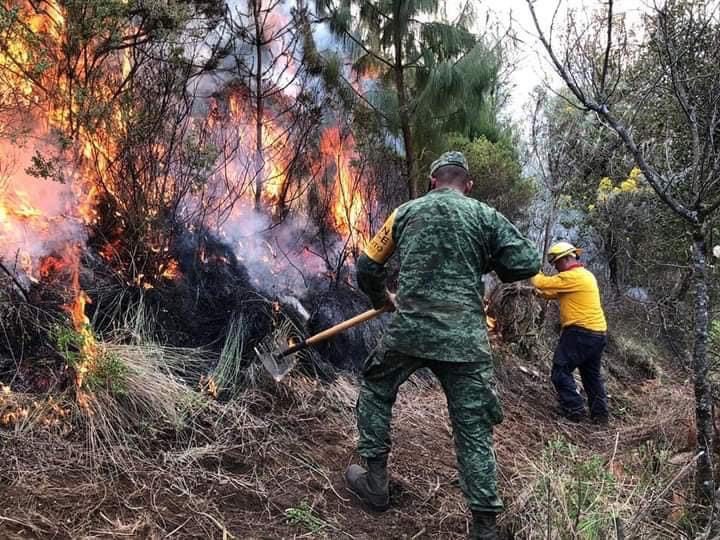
(15, 281)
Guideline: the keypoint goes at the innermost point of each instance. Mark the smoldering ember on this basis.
(207, 207)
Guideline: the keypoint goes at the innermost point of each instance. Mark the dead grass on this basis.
(164, 460)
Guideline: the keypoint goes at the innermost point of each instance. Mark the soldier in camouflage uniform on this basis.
(446, 242)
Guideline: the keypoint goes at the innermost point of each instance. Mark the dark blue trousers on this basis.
(580, 349)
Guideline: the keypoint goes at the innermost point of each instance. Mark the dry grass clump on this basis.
(643, 357)
(567, 492)
(160, 447)
(146, 395)
(575, 492)
(518, 312)
(628, 480)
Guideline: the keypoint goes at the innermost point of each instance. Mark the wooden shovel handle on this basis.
(334, 330)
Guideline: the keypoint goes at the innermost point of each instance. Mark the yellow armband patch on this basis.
(382, 245)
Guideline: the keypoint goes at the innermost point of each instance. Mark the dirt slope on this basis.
(269, 465)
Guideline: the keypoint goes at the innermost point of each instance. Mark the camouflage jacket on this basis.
(446, 242)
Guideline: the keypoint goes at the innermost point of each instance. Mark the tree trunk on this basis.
(704, 482)
(259, 154)
(612, 252)
(410, 173)
(549, 224)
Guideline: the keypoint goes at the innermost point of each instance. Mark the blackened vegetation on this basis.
(26, 327)
(150, 275)
(330, 304)
(194, 307)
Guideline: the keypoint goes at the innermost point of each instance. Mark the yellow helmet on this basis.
(562, 249)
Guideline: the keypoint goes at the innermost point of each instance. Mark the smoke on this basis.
(38, 216)
(325, 41)
(280, 258)
(280, 55)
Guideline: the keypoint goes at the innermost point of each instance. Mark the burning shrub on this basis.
(152, 189)
(192, 308)
(26, 325)
(94, 367)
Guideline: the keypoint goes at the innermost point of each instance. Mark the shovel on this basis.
(279, 361)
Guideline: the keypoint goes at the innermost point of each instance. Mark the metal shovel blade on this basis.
(278, 366)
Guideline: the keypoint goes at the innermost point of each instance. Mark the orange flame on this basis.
(275, 164)
(77, 311)
(171, 270)
(80, 321)
(209, 386)
(15, 204)
(275, 160)
(17, 58)
(347, 200)
(50, 266)
(28, 211)
(490, 321)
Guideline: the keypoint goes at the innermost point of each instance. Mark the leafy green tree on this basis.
(567, 150)
(497, 173)
(437, 76)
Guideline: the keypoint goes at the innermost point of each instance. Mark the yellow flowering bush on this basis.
(606, 184)
(628, 186)
(632, 184)
(605, 187)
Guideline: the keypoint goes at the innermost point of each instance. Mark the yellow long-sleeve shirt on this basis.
(577, 293)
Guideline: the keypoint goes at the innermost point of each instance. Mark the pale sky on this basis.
(532, 66)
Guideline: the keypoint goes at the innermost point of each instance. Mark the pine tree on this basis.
(439, 77)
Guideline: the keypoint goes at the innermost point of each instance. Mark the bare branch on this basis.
(608, 46)
(653, 177)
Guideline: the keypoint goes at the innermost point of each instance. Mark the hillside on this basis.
(269, 463)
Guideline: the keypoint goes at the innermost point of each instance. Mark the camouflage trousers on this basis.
(473, 406)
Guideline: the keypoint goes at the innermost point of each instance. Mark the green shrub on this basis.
(497, 173)
(107, 372)
(100, 368)
(304, 516)
(640, 355)
(572, 495)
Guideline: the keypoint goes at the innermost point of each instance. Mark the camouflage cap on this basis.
(449, 158)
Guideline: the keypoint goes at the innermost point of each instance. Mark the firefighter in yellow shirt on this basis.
(583, 337)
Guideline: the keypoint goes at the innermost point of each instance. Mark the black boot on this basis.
(484, 526)
(371, 485)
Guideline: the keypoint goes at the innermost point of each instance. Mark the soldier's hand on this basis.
(391, 302)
